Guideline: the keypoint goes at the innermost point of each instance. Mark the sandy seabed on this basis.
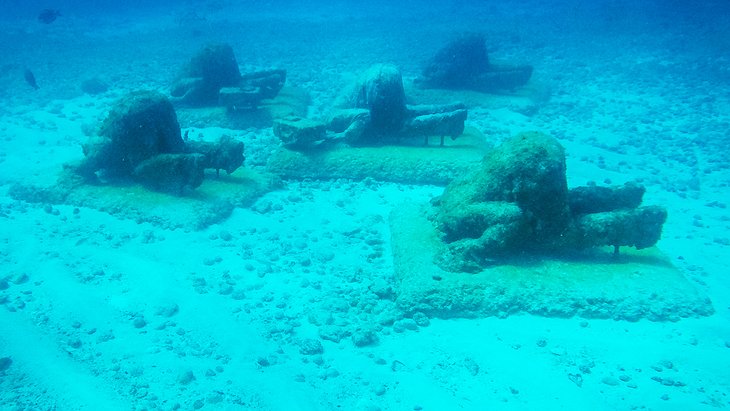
(291, 303)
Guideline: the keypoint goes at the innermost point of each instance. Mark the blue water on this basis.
(296, 299)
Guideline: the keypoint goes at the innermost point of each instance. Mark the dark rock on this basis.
(185, 377)
(310, 346)
(472, 220)
(362, 338)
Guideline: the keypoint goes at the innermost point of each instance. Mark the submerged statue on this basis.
(212, 78)
(374, 112)
(140, 140)
(464, 64)
(517, 202)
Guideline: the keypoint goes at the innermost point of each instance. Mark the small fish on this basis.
(48, 16)
(30, 79)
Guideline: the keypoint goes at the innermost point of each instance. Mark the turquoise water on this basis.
(296, 294)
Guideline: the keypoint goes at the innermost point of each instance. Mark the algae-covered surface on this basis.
(424, 164)
(631, 286)
(210, 203)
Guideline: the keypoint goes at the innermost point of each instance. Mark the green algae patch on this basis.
(634, 285)
(212, 202)
(425, 164)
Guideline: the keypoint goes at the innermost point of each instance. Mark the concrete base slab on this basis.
(208, 204)
(595, 284)
(411, 164)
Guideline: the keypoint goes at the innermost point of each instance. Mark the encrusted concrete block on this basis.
(298, 131)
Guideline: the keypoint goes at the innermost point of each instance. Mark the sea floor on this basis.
(289, 304)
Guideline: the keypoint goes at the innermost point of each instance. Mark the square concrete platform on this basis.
(632, 286)
(211, 202)
(409, 164)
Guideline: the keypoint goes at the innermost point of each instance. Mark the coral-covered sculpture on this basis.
(374, 112)
(171, 173)
(212, 68)
(389, 119)
(517, 202)
(380, 91)
(212, 78)
(224, 154)
(140, 140)
(464, 64)
(140, 125)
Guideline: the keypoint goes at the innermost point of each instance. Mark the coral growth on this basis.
(140, 125)
(141, 140)
(374, 111)
(517, 202)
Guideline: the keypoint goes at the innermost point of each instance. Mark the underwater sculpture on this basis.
(140, 140)
(517, 203)
(212, 78)
(374, 112)
(464, 64)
